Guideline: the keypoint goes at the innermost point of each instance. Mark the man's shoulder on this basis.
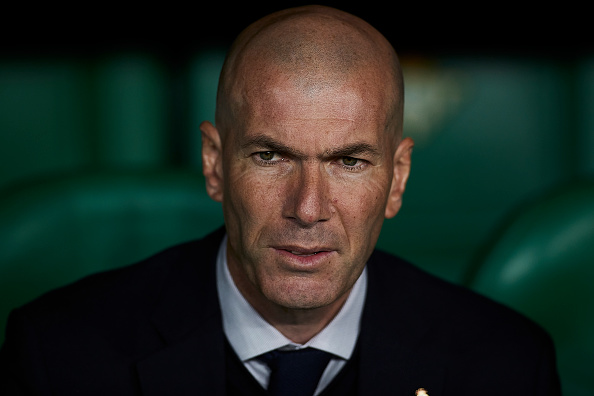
(443, 327)
(118, 317)
(458, 312)
(131, 287)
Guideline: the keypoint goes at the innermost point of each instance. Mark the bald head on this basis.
(314, 47)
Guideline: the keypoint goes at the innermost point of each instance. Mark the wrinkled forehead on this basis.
(288, 96)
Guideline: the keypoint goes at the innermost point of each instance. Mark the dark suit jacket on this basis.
(155, 328)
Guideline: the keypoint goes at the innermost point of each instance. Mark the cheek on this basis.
(360, 207)
(252, 198)
(360, 200)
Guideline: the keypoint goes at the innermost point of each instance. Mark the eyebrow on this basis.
(270, 144)
(353, 149)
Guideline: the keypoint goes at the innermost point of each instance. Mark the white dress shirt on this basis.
(250, 335)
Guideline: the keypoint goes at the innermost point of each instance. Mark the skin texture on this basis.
(307, 159)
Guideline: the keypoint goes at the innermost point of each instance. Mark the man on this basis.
(307, 158)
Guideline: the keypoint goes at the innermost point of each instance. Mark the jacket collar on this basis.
(188, 319)
(395, 334)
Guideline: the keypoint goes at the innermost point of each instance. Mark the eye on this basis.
(349, 161)
(267, 155)
(352, 164)
(266, 158)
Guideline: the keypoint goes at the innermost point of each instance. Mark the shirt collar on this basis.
(250, 335)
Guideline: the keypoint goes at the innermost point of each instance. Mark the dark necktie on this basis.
(295, 373)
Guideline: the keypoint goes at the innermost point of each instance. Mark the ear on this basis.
(402, 160)
(212, 160)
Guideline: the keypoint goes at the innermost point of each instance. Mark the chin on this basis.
(302, 295)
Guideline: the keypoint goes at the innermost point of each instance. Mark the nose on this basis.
(308, 200)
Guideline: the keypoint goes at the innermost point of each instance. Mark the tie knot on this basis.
(297, 372)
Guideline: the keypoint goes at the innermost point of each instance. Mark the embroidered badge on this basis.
(421, 392)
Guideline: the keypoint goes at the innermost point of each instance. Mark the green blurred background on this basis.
(100, 150)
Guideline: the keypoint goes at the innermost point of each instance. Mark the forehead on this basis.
(329, 107)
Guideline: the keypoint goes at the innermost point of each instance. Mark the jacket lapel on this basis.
(394, 358)
(388, 370)
(193, 366)
(188, 319)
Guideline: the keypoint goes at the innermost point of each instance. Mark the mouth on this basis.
(302, 254)
(304, 251)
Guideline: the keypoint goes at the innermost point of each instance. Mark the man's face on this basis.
(306, 178)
